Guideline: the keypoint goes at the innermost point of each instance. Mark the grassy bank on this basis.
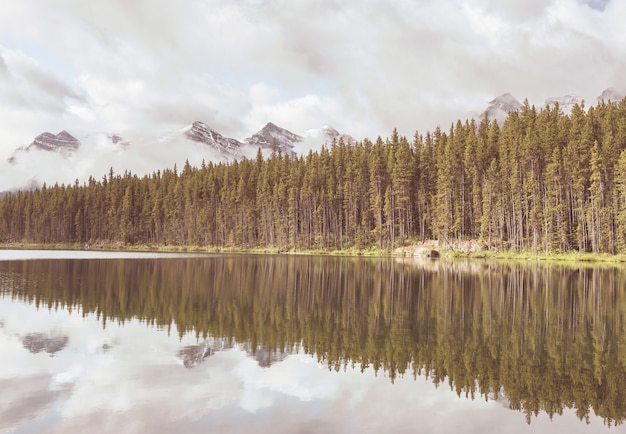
(195, 249)
(372, 251)
(568, 256)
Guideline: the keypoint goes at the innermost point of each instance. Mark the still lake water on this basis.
(139, 343)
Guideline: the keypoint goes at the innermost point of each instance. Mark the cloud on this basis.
(599, 5)
(28, 85)
(363, 66)
(4, 71)
(515, 11)
(20, 407)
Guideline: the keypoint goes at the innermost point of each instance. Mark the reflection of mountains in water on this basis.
(549, 337)
(193, 355)
(41, 342)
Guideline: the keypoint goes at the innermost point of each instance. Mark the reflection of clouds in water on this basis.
(138, 386)
(23, 399)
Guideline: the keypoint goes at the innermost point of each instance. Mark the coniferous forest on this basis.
(542, 181)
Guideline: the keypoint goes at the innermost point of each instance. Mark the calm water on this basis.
(137, 343)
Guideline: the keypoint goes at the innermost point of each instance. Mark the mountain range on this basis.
(500, 107)
(65, 158)
(193, 355)
(270, 137)
(63, 142)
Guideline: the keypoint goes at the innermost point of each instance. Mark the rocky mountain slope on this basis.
(202, 133)
(273, 137)
(62, 142)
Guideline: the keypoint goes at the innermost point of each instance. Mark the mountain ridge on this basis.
(202, 133)
(61, 142)
(63, 158)
(504, 104)
(66, 158)
(272, 137)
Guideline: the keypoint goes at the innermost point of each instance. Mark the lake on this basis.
(111, 342)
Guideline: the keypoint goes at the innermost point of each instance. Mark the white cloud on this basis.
(262, 93)
(300, 113)
(82, 112)
(364, 67)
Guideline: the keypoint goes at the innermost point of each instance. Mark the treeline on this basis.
(542, 181)
(540, 338)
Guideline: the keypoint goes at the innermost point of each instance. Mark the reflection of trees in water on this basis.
(547, 337)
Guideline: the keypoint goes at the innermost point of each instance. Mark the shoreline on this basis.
(414, 250)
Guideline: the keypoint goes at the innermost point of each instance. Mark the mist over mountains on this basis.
(500, 107)
(64, 158)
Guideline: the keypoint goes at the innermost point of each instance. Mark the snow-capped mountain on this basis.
(272, 136)
(202, 133)
(326, 134)
(566, 103)
(500, 107)
(117, 140)
(64, 158)
(612, 94)
(66, 145)
(218, 148)
(63, 142)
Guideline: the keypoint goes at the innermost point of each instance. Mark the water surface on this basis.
(106, 342)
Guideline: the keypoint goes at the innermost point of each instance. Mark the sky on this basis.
(363, 66)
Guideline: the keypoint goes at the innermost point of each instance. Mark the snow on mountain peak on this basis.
(315, 137)
(95, 153)
(612, 94)
(63, 142)
(326, 130)
(202, 133)
(566, 103)
(271, 136)
(505, 102)
(500, 107)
